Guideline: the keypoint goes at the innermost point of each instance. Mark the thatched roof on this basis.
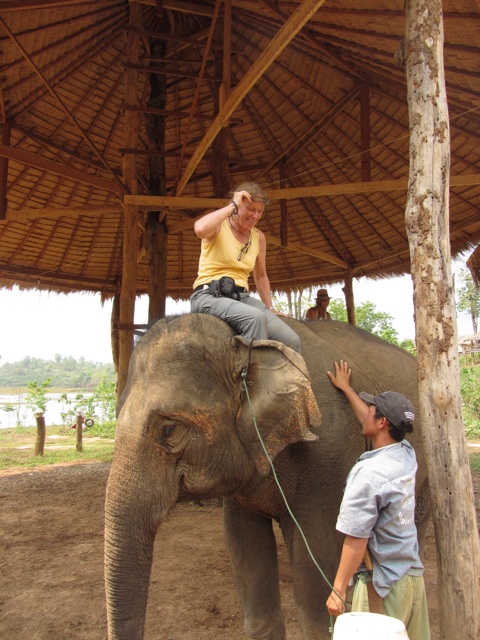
(328, 111)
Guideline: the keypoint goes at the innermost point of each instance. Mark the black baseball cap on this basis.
(394, 406)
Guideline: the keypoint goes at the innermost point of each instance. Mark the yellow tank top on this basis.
(219, 258)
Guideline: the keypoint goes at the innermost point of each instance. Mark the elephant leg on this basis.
(310, 588)
(253, 554)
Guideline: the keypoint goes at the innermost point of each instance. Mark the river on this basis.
(18, 413)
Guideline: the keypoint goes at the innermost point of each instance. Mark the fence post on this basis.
(40, 443)
(79, 431)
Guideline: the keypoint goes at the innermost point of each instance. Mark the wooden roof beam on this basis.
(310, 36)
(274, 48)
(315, 129)
(319, 191)
(23, 215)
(182, 7)
(171, 72)
(48, 142)
(59, 101)
(28, 5)
(310, 251)
(32, 160)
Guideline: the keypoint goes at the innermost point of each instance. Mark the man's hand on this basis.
(335, 605)
(341, 379)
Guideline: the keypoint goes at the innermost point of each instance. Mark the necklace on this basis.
(238, 231)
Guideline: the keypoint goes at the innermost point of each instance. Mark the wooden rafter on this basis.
(32, 160)
(286, 33)
(59, 100)
(191, 202)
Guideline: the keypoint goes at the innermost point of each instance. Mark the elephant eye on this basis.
(167, 430)
(164, 431)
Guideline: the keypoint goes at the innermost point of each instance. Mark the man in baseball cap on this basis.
(377, 514)
(396, 408)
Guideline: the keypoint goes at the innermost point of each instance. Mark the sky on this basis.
(41, 324)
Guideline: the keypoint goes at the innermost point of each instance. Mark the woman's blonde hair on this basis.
(255, 190)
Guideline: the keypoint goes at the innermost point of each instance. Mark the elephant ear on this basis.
(281, 399)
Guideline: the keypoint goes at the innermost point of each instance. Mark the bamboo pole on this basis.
(427, 221)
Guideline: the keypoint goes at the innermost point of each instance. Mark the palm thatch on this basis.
(319, 119)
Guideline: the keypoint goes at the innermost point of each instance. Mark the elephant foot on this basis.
(310, 437)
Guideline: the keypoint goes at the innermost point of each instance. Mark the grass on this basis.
(475, 462)
(17, 447)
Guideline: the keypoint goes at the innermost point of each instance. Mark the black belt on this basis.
(207, 286)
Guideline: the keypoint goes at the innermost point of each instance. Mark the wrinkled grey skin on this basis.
(185, 432)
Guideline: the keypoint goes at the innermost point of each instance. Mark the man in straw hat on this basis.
(377, 514)
(319, 311)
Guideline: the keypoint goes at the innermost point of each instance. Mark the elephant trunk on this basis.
(132, 516)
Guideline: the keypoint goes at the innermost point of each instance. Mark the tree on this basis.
(427, 223)
(36, 399)
(368, 318)
(469, 298)
(296, 304)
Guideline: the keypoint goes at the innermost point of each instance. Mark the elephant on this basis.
(198, 403)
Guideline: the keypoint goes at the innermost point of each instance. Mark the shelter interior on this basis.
(123, 121)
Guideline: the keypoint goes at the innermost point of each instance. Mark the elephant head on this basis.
(186, 430)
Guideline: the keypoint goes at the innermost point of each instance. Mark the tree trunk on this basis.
(427, 220)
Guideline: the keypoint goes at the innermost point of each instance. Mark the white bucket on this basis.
(368, 626)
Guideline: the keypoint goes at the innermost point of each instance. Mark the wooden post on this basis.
(79, 432)
(41, 432)
(130, 227)
(427, 220)
(349, 300)
(115, 333)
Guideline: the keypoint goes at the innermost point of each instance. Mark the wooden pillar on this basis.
(41, 433)
(130, 228)
(155, 236)
(427, 221)
(227, 52)
(349, 300)
(79, 434)
(155, 243)
(115, 321)
(221, 182)
(7, 127)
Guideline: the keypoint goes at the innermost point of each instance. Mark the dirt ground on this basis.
(51, 564)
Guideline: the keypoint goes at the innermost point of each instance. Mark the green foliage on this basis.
(36, 399)
(469, 297)
(475, 461)
(470, 390)
(338, 310)
(102, 430)
(103, 398)
(65, 372)
(409, 345)
(368, 318)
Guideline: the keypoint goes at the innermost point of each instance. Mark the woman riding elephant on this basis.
(186, 431)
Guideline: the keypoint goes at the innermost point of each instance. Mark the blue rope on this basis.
(245, 387)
